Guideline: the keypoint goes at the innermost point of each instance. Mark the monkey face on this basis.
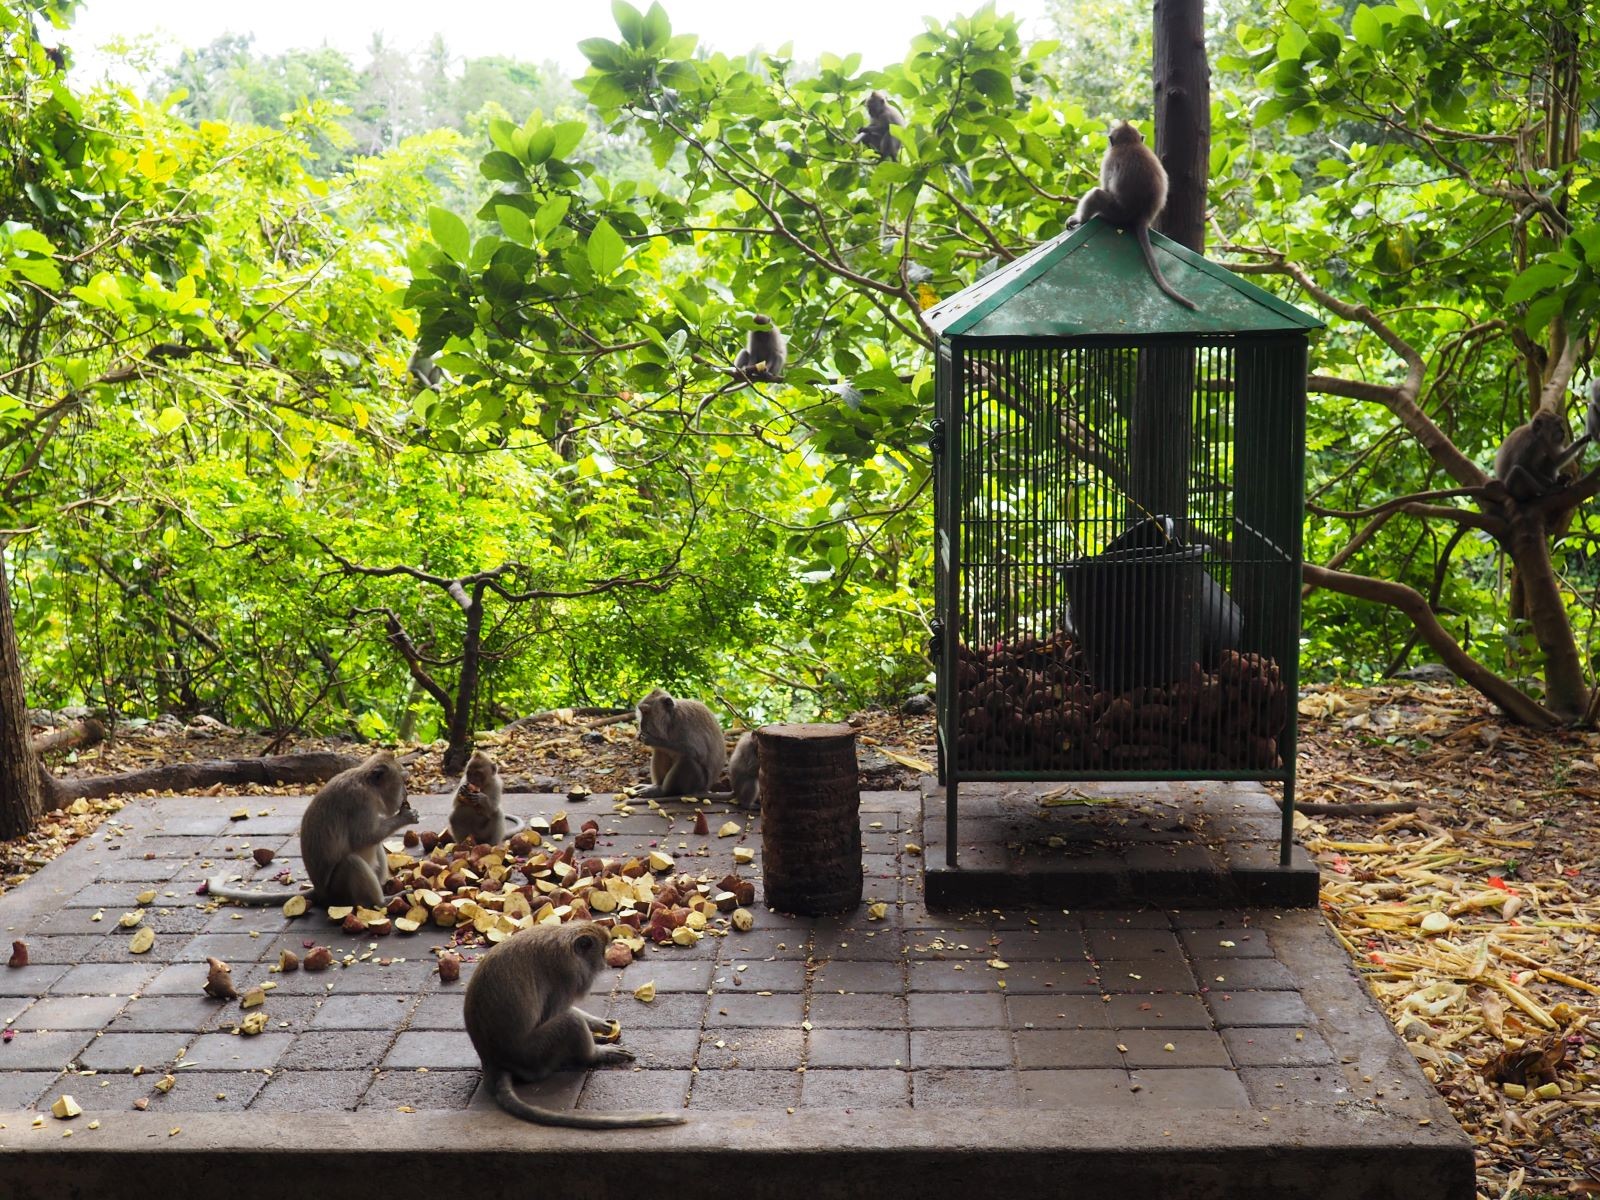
(655, 718)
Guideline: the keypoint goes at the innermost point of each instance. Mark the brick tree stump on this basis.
(810, 818)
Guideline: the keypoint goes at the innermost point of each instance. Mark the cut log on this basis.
(317, 767)
(79, 735)
(810, 818)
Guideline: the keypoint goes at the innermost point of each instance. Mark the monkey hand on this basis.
(407, 815)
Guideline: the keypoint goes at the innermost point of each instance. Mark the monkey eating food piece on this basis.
(1132, 193)
(524, 1022)
(341, 837)
(476, 813)
(744, 770)
(761, 360)
(688, 751)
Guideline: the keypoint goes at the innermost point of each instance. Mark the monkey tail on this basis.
(506, 1097)
(218, 886)
(1155, 271)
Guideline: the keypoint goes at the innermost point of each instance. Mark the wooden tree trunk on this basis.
(810, 818)
(1183, 117)
(21, 786)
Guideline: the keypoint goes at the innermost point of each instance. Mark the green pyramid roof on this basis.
(1093, 281)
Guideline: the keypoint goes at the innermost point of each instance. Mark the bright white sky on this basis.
(531, 30)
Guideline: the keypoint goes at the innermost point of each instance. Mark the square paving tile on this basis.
(946, 1087)
(1164, 1049)
(1190, 1088)
(70, 1012)
(859, 1011)
(1058, 1012)
(619, 1089)
(103, 979)
(957, 1010)
(421, 1090)
(1097, 1089)
(858, 1048)
(1167, 1010)
(847, 976)
(41, 1051)
(316, 1051)
(743, 1091)
(749, 1010)
(219, 1051)
(961, 1048)
(1068, 1048)
(32, 980)
(757, 1049)
(20, 1089)
(1116, 945)
(1147, 975)
(312, 1091)
(1241, 974)
(784, 975)
(435, 1050)
(855, 1089)
(380, 1011)
(125, 1051)
(1224, 942)
(1259, 1008)
(684, 1011)
(1255, 1047)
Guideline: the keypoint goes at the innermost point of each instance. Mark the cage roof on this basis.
(1093, 281)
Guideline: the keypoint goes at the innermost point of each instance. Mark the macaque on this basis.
(880, 116)
(476, 812)
(1132, 193)
(341, 837)
(744, 769)
(522, 1015)
(688, 749)
(761, 360)
(1532, 457)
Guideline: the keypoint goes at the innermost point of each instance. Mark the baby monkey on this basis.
(522, 1015)
(880, 116)
(688, 751)
(476, 812)
(341, 837)
(744, 772)
(761, 360)
(1132, 193)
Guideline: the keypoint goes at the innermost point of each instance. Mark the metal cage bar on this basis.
(1117, 568)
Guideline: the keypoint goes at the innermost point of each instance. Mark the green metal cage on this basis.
(1118, 500)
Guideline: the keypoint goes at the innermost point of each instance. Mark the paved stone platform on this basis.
(1190, 845)
(1210, 1052)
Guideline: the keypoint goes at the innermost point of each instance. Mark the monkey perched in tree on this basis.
(341, 837)
(876, 134)
(476, 812)
(761, 360)
(1533, 455)
(744, 769)
(1132, 193)
(688, 749)
(522, 1015)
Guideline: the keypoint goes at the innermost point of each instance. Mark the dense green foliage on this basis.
(230, 494)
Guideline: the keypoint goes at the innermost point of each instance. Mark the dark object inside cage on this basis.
(1119, 488)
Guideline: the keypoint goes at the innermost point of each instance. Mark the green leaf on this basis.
(550, 215)
(996, 85)
(657, 29)
(568, 134)
(1366, 28)
(606, 55)
(169, 419)
(515, 223)
(630, 23)
(606, 248)
(500, 165)
(1538, 278)
(450, 233)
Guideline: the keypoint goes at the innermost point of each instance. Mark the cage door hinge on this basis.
(935, 639)
(936, 436)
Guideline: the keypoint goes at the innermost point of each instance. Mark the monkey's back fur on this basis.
(744, 772)
(688, 750)
(522, 1016)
